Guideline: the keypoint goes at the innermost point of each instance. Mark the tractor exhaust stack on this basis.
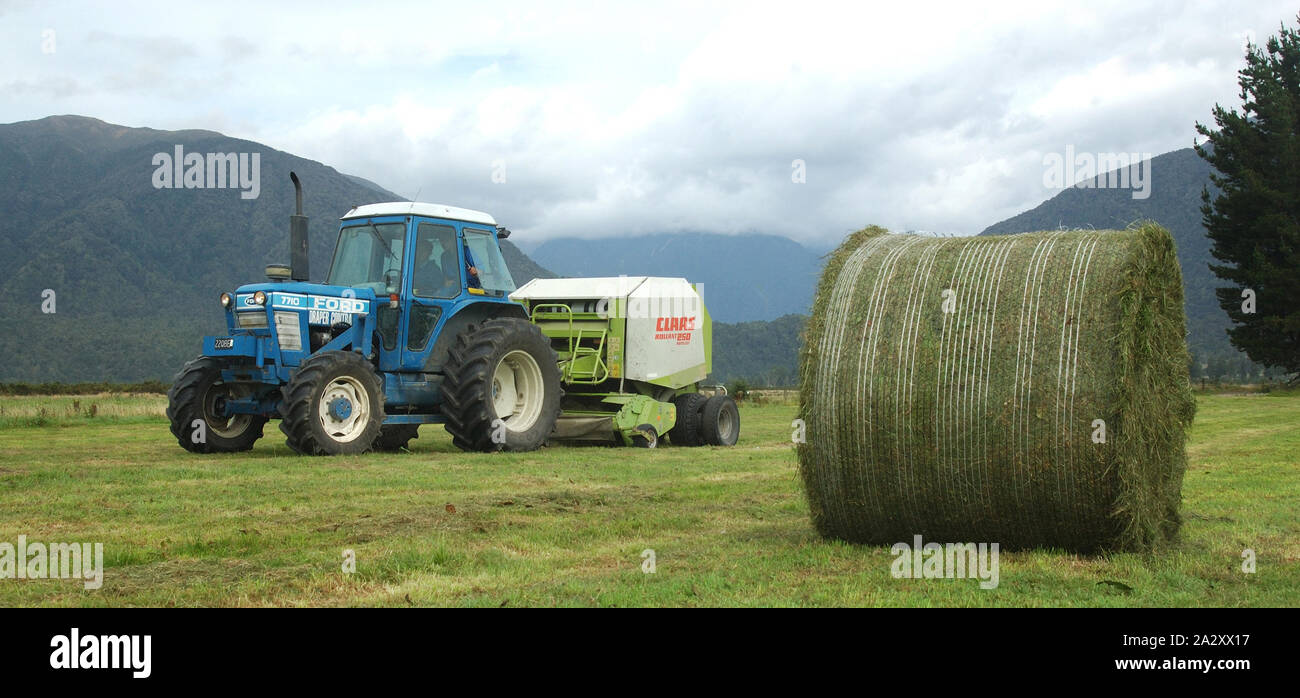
(298, 260)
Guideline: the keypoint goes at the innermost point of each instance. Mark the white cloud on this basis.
(618, 119)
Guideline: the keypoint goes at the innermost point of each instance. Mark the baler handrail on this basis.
(568, 310)
(532, 317)
(601, 371)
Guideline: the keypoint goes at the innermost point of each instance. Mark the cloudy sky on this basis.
(622, 117)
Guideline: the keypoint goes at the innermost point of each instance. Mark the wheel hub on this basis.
(344, 409)
(340, 408)
(216, 410)
(518, 390)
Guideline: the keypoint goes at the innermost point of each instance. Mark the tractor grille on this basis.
(288, 331)
(251, 319)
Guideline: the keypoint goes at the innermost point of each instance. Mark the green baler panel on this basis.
(596, 341)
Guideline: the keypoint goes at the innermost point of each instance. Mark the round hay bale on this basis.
(1028, 390)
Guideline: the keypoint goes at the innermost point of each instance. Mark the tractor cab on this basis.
(447, 250)
(425, 263)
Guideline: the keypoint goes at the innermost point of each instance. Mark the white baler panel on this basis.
(665, 331)
(599, 288)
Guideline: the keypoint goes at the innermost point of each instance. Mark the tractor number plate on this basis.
(223, 343)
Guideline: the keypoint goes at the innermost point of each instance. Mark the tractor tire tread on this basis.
(185, 404)
(296, 408)
(710, 416)
(466, 403)
(687, 430)
(395, 437)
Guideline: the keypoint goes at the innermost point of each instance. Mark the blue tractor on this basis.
(412, 325)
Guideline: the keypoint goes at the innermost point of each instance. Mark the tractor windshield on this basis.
(486, 257)
(369, 256)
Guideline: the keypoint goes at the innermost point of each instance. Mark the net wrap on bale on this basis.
(1028, 390)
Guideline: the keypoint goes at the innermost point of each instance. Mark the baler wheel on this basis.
(501, 387)
(720, 421)
(687, 430)
(646, 437)
(194, 395)
(333, 405)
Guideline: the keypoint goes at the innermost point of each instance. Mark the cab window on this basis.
(437, 264)
(482, 252)
(369, 256)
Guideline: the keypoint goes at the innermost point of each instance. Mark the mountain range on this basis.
(743, 278)
(1175, 183)
(136, 269)
(1172, 198)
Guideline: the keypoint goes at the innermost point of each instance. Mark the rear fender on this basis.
(464, 316)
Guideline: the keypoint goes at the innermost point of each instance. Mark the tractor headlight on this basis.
(226, 300)
(260, 298)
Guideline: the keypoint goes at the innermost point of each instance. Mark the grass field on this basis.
(567, 526)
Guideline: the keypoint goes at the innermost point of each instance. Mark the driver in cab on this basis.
(439, 279)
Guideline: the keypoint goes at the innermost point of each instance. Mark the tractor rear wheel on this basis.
(501, 388)
(333, 405)
(394, 437)
(720, 421)
(193, 408)
(687, 430)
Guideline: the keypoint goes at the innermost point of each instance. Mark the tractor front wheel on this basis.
(194, 410)
(333, 405)
(501, 389)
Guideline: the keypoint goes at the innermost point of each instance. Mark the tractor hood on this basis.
(274, 326)
(326, 304)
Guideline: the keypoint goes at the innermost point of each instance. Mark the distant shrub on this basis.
(156, 387)
(738, 389)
